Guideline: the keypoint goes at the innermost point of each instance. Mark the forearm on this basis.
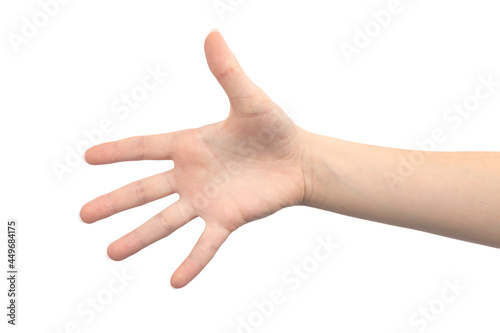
(454, 194)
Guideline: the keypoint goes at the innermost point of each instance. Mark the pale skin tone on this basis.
(257, 161)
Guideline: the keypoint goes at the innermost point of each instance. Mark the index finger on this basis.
(147, 147)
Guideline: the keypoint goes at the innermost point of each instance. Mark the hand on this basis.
(229, 173)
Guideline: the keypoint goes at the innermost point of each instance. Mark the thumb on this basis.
(227, 70)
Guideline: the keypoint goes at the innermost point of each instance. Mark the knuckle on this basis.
(140, 192)
(164, 223)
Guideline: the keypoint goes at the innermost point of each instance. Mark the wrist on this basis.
(310, 160)
(320, 171)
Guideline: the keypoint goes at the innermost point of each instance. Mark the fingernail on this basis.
(80, 218)
(214, 29)
(108, 256)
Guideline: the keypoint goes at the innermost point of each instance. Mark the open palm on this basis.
(229, 173)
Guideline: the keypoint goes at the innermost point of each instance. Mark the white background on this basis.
(395, 91)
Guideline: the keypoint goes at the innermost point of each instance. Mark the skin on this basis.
(257, 161)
